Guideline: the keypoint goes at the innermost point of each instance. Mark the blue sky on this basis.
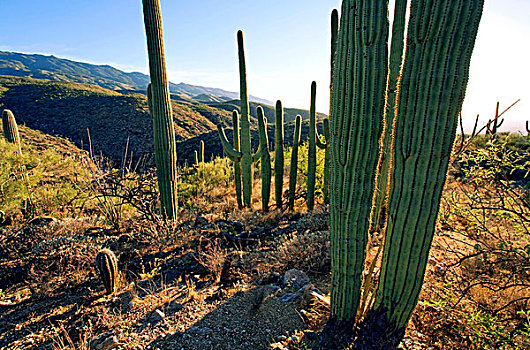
(287, 45)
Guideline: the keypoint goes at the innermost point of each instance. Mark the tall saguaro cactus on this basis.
(441, 35)
(294, 161)
(357, 107)
(10, 127)
(245, 158)
(160, 107)
(278, 155)
(428, 96)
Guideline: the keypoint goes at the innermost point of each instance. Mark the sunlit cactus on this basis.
(160, 109)
(245, 150)
(10, 129)
(107, 267)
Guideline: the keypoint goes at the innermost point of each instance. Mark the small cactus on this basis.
(9, 124)
(201, 152)
(107, 266)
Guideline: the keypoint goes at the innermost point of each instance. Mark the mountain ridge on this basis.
(54, 68)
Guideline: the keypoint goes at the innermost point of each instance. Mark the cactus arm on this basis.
(326, 160)
(358, 101)
(231, 153)
(294, 161)
(424, 132)
(395, 64)
(278, 155)
(164, 133)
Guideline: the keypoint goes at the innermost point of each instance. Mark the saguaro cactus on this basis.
(357, 107)
(9, 125)
(442, 37)
(294, 161)
(265, 159)
(160, 108)
(245, 142)
(314, 141)
(494, 124)
(201, 152)
(107, 267)
(278, 155)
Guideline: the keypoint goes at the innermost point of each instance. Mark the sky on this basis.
(286, 42)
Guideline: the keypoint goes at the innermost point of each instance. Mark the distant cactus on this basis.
(201, 152)
(294, 162)
(494, 124)
(107, 266)
(244, 153)
(196, 158)
(160, 109)
(314, 142)
(9, 124)
(265, 159)
(527, 128)
(278, 155)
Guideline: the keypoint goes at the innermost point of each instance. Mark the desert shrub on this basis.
(490, 208)
(205, 177)
(41, 179)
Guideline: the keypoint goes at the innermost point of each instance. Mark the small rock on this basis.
(295, 279)
(200, 221)
(200, 331)
(104, 341)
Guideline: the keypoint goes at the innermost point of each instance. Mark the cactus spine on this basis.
(10, 127)
(395, 63)
(160, 107)
(107, 267)
(358, 100)
(278, 155)
(265, 160)
(442, 36)
(294, 161)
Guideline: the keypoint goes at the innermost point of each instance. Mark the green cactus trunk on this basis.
(326, 160)
(358, 101)
(294, 162)
(265, 160)
(164, 134)
(10, 127)
(196, 158)
(237, 163)
(396, 59)
(312, 150)
(201, 152)
(278, 156)
(246, 148)
(107, 267)
(440, 41)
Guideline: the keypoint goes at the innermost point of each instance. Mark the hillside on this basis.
(59, 69)
(69, 109)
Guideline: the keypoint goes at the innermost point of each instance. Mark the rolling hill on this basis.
(105, 76)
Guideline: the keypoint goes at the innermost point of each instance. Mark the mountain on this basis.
(105, 76)
(112, 118)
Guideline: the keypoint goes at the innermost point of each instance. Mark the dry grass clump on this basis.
(307, 251)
